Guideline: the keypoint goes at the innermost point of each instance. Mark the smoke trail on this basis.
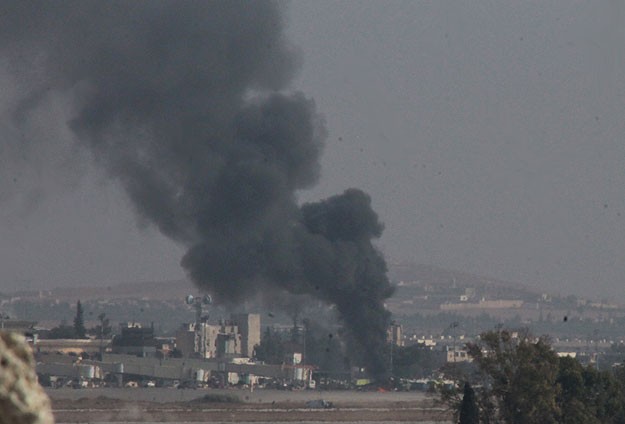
(185, 104)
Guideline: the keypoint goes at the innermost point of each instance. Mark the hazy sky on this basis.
(488, 134)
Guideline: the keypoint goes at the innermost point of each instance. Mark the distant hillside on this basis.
(445, 278)
(430, 275)
(148, 290)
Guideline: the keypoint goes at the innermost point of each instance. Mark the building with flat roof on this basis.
(135, 340)
(230, 338)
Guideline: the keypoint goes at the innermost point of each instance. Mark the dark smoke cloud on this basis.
(343, 266)
(184, 104)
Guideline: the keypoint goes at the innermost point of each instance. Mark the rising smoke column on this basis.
(184, 104)
(346, 270)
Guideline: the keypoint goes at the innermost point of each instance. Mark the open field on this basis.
(178, 406)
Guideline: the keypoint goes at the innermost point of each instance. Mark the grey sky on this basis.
(489, 136)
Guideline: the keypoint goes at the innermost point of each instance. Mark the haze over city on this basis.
(488, 136)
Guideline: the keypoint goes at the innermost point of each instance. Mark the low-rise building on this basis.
(135, 340)
(230, 338)
(458, 355)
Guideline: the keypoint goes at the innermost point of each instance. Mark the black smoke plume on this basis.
(185, 104)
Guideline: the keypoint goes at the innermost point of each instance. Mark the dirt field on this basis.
(177, 406)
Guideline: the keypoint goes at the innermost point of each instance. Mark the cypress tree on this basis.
(468, 408)
(79, 322)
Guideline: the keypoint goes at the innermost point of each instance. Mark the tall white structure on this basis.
(249, 327)
(215, 341)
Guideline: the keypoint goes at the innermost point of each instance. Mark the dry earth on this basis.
(124, 406)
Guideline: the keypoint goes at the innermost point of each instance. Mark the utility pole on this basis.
(305, 329)
(392, 343)
(200, 331)
(453, 327)
(596, 348)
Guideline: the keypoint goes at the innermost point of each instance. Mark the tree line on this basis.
(78, 330)
(519, 379)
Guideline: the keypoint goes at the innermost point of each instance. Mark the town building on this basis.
(230, 338)
(394, 334)
(135, 340)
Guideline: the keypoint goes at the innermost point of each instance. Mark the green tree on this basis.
(605, 395)
(514, 379)
(576, 405)
(469, 412)
(63, 331)
(80, 331)
(520, 379)
(521, 372)
(103, 329)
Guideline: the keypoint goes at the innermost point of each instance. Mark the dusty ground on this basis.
(161, 405)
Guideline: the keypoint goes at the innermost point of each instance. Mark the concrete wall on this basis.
(69, 345)
(169, 368)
